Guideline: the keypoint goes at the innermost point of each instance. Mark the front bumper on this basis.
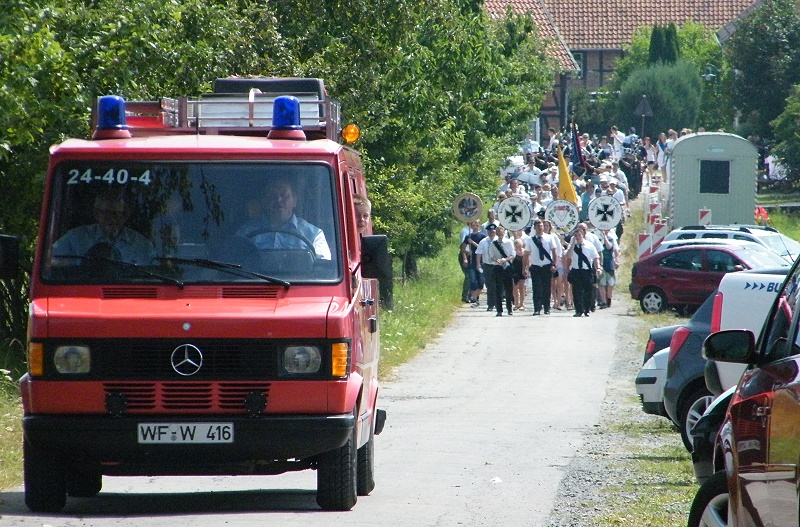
(112, 441)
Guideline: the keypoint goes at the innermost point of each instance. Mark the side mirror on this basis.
(375, 259)
(733, 345)
(9, 256)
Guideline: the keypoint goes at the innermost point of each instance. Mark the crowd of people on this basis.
(561, 271)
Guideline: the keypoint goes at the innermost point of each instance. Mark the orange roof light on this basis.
(351, 133)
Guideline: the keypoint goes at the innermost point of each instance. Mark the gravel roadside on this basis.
(604, 461)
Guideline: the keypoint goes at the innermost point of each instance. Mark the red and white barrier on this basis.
(704, 217)
(645, 246)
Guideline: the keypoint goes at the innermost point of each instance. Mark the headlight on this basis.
(72, 359)
(302, 359)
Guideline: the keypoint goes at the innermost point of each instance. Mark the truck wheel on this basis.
(710, 505)
(83, 482)
(336, 477)
(691, 411)
(45, 480)
(653, 300)
(366, 466)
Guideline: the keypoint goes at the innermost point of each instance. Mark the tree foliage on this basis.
(765, 53)
(698, 48)
(438, 89)
(787, 129)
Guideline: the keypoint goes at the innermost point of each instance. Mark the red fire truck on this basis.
(202, 301)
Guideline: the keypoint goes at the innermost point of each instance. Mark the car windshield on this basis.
(179, 223)
(782, 245)
(758, 258)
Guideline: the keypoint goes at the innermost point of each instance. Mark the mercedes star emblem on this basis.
(187, 359)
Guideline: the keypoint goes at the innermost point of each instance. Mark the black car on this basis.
(685, 393)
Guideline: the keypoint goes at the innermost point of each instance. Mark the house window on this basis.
(579, 58)
(715, 177)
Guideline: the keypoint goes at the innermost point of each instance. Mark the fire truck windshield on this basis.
(126, 222)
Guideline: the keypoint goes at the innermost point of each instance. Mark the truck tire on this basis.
(366, 466)
(653, 300)
(45, 480)
(710, 504)
(336, 477)
(84, 482)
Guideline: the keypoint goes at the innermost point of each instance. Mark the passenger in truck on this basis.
(278, 227)
(108, 238)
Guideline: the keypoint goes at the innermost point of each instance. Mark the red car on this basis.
(686, 275)
(757, 452)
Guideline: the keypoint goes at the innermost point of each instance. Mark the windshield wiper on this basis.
(224, 266)
(128, 265)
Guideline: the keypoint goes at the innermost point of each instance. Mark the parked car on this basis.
(685, 394)
(658, 340)
(685, 276)
(650, 383)
(664, 245)
(704, 434)
(758, 446)
(767, 236)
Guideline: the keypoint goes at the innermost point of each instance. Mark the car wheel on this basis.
(653, 300)
(337, 473)
(710, 505)
(692, 410)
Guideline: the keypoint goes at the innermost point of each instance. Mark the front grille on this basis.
(223, 359)
(152, 397)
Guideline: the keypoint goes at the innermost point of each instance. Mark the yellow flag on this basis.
(566, 190)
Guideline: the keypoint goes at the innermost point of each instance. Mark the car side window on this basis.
(690, 260)
(743, 237)
(720, 261)
(686, 236)
(716, 235)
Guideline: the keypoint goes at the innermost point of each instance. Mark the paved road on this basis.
(480, 428)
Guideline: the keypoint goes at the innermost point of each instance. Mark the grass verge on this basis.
(10, 433)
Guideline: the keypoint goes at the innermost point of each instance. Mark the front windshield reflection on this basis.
(194, 222)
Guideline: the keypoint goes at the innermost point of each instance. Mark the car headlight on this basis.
(302, 359)
(72, 359)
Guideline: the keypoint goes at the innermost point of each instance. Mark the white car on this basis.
(770, 238)
(650, 383)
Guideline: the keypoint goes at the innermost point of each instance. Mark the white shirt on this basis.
(531, 248)
(589, 251)
(281, 237)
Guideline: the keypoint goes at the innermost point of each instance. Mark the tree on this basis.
(765, 53)
(673, 92)
(787, 129)
(698, 47)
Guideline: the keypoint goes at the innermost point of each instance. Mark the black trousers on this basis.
(581, 280)
(541, 280)
(503, 286)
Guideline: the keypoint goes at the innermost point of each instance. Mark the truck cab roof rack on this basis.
(238, 106)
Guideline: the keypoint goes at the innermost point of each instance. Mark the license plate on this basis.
(194, 433)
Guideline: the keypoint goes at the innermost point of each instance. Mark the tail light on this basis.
(716, 313)
(678, 339)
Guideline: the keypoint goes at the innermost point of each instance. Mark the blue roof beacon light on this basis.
(111, 118)
(286, 119)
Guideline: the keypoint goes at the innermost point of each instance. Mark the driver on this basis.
(109, 237)
(278, 227)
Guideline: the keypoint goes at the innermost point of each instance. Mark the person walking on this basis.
(496, 255)
(541, 256)
(583, 262)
